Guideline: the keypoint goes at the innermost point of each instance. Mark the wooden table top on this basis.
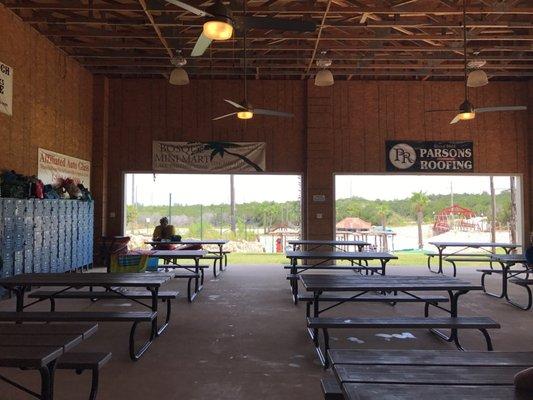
(340, 255)
(431, 357)
(365, 391)
(36, 345)
(88, 279)
(337, 282)
(189, 241)
(330, 242)
(428, 374)
(475, 244)
(178, 253)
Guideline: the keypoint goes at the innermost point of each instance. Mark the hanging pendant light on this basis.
(220, 26)
(179, 76)
(477, 78)
(324, 77)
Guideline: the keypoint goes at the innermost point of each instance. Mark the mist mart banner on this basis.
(53, 166)
(208, 156)
(6, 89)
(431, 156)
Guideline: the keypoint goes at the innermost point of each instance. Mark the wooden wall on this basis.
(349, 123)
(143, 110)
(52, 104)
(342, 128)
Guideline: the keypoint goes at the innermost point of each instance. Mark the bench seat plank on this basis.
(434, 374)
(85, 294)
(378, 298)
(403, 322)
(86, 330)
(60, 340)
(28, 357)
(431, 357)
(358, 391)
(77, 316)
(73, 360)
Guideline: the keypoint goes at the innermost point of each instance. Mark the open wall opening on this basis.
(406, 212)
(257, 213)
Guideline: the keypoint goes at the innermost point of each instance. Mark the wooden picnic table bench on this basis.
(316, 259)
(461, 246)
(425, 374)
(151, 282)
(165, 296)
(358, 286)
(44, 347)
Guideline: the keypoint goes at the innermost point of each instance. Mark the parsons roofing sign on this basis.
(433, 156)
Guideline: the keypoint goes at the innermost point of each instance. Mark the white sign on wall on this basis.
(54, 166)
(6, 89)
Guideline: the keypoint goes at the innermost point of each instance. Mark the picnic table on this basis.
(341, 245)
(20, 284)
(428, 374)
(411, 286)
(38, 347)
(221, 255)
(320, 260)
(507, 262)
(461, 246)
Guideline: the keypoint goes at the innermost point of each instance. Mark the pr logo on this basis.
(402, 156)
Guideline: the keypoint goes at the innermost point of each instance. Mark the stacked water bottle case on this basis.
(44, 236)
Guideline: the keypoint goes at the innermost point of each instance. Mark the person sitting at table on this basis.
(164, 232)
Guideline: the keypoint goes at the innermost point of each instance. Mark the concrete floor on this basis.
(242, 338)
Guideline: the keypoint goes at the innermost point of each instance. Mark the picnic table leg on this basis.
(453, 337)
(136, 355)
(47, 381)
(441, 249)
(503, 292)
(198, 283)
(221, 254)
(293, 281)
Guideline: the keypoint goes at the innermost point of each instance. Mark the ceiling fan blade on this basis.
(224, 116)
(236, 105)
(500, 108)
(278, 24)
(189, 8)
(455, 119)
(201, 45)
(261, 111)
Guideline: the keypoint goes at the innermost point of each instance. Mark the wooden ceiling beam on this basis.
(399, 9)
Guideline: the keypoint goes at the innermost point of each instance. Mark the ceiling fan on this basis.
(466, 110)
(220, 22)
(245, 109)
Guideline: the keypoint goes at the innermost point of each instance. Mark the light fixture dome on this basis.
(466, 111)
(179, 77)
(477, 78)
(324, 77)
(220, 25)
(247, 114)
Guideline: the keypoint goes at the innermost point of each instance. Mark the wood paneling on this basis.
(143, 110)
(350, 122)
(52, 102)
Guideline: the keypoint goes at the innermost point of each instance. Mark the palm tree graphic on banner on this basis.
(221, 149)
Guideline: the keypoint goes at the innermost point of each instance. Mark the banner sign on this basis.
(53, 166)
(208, 156)
(6, 89)
(412, 156)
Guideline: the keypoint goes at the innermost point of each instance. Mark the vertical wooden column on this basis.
(320, 163)
(528, 176)
(100, 154)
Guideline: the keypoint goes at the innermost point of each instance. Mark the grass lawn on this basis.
(404, 258)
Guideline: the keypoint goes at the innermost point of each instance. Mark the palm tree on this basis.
(221, 149)
(419, 201)
(383, 211)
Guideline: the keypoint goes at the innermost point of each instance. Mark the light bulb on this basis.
(245, 114)
(218, 30)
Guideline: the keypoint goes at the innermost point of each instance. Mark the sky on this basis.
(215, 189)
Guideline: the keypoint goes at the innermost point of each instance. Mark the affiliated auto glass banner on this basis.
(54, 166)
(413, 156)
(208, 156)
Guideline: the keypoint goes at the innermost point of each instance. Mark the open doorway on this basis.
(403, 213)
(258, 214)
